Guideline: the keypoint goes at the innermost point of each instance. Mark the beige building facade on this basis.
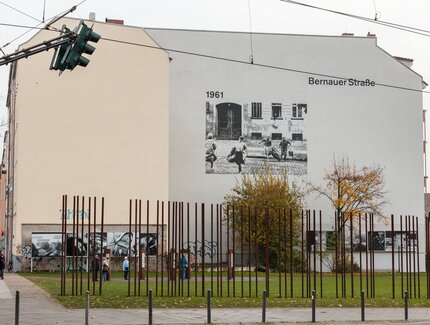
(99, 131)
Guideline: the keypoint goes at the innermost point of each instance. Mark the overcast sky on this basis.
(235, 15)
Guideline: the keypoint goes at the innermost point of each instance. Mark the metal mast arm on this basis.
(35, 49)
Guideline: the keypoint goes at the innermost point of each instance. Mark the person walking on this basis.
(284, 144)
(2, 265)
(267, 146)
(125, 267)
(238, 153)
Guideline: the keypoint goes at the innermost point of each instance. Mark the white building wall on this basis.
(369, 125)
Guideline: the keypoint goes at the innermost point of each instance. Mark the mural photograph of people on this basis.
(251, 136)
(118, 243)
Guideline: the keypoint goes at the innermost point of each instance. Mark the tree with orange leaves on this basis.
(352, 191)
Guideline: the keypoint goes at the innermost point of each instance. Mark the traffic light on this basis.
(61, 53)
(85, 34)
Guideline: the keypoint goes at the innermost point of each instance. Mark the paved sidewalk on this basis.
(37, 307)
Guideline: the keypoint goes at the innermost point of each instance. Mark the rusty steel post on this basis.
(291, 254)
(351, 240)
(136, 249)
(234, 249)
(203, 249)
(82, 238)
(212, 247)
(249, 253)
(89, 260)
(336, 222)
(360, 247)
(62, 246)
(73, 246)
(146, 248)
(401, 252)
(220, 245)
(130, 213)
(101, 240)
(241, 249)
(189, 250)
(156, 256)
(393, 282)
(321, 258)
(279, 253)
(95, 248)
(285, 251)
(266, 250)
(303, 257)
(418, 259)
(195, 247)
(256, 250)
(162, 248)
(140, 262)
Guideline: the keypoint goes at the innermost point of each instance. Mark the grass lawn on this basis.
(234, 294)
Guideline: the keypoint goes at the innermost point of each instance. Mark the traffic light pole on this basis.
(45, 46)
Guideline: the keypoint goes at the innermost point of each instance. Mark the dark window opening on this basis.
(276, 136)
(256, 136)
(256, 110)
(276, 110)
(297, 137)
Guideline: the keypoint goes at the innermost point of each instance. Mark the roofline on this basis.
(372, 38)
(258, 33)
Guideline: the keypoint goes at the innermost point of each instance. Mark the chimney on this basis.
(114, 21)
(92, 16)
(369, 34)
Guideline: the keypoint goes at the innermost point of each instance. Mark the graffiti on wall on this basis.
(196, 248)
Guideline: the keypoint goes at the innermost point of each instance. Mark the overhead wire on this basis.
(405, 28)
(33, 27)
(259, 64)
(21, 12)
(207, 56)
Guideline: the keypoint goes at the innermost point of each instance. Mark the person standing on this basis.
(125, 267)
(105, 268)
(183, 266)
(210, 150)
(2, 265)
(96, 268)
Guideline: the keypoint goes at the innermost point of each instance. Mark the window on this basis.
(256, 110)
(256, 136)
(299, 110)
(276, 136)
(276, 110)
(297, 136)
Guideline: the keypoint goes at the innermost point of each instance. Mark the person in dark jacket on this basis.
(96, 268)
(2, 265)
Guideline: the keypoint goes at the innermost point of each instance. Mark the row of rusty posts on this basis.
(73, 246)
(212, 239)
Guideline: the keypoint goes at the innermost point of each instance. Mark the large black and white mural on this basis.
(126, 243)
(46, 244)
(120, 244)
(249, 137)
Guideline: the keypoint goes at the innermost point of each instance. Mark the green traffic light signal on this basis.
(85, 35)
